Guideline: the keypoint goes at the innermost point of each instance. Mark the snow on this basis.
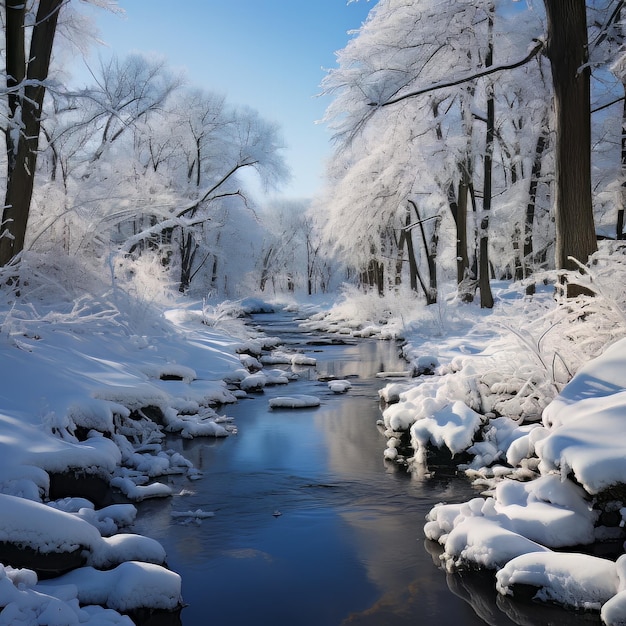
(42, 527)
(197, 514)
(140, 492)
(593, 448)
(339, 386)
(84, 392)
(302, 359)
(93, 394)
(529, 399)
(284, 358)
(294, 402)
(129, 586)
(452, 425)
(574, 580)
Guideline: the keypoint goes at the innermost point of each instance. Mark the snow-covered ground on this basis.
(528, 398)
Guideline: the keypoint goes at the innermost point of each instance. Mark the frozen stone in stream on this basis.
(339, 386)
(294, 402)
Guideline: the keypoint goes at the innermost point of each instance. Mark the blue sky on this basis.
(268, 54)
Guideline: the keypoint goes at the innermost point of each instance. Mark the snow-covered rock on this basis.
(294, 402)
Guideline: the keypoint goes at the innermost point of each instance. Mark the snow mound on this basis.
(110, 551)
(43, 528)
(339, 386)
(136, 492)
(128, 587)
(254, 382)
(613, 612)
(302, 359)
(276, 358)
(453, 425)
(25, 602)
(573, 580)
(485, 542)
(587, 430)
(294, 402)
(108, 520)
(545, 511)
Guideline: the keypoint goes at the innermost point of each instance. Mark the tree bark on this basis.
(458, 208)
(573, 212)
(529, 220)
(619, 226)
(486, 297)
(26, 94)
(430, 251)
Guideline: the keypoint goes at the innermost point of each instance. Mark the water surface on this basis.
(311, 526)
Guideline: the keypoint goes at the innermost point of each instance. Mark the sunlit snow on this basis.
(294, 402)
(540, 449)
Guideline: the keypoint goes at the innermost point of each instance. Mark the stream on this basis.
(309, 525)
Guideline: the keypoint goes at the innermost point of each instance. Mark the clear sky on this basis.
(268, 54)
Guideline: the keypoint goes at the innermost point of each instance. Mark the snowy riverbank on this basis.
(90, 384)
(87, 391)
(492, 389)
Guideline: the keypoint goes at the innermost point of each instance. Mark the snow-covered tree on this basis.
(222, 143)
(26, 72)
(410, 115)
(29, 36)
(293, 255)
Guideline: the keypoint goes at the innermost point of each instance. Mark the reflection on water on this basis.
(311, 526)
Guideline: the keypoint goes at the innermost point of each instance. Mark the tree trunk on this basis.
(265, 271)
(619, 225)
(529, 221)
(430, 251)
(25, 112)
(188, 249)
(486, 297)
(410, 250)
(465, 283)
(458, 207)
(573, 211)
(400, 242)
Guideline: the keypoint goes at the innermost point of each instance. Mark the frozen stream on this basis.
(311, 527)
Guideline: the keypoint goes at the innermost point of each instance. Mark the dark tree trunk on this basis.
(414, 274)
(486, 297)
(573, 211)
(407, 237)
(399, 257)
(459, 212)
(374, 276)
(430, 251)
(25, 110)
(265, 272)
(188, 249)
(529, 221)
(619, 227)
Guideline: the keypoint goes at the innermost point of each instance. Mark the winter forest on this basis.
(449, 157)
(472, 214)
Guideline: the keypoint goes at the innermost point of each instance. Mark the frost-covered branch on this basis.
(158, 228)
(205, 196)
(419, 222)
(533, 52)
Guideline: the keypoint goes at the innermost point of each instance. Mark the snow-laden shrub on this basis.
(214, 314)
(511, 364)
(365, 314)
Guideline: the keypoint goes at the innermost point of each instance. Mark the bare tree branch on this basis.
(534, 51)
(194, 207)
(606, 105)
